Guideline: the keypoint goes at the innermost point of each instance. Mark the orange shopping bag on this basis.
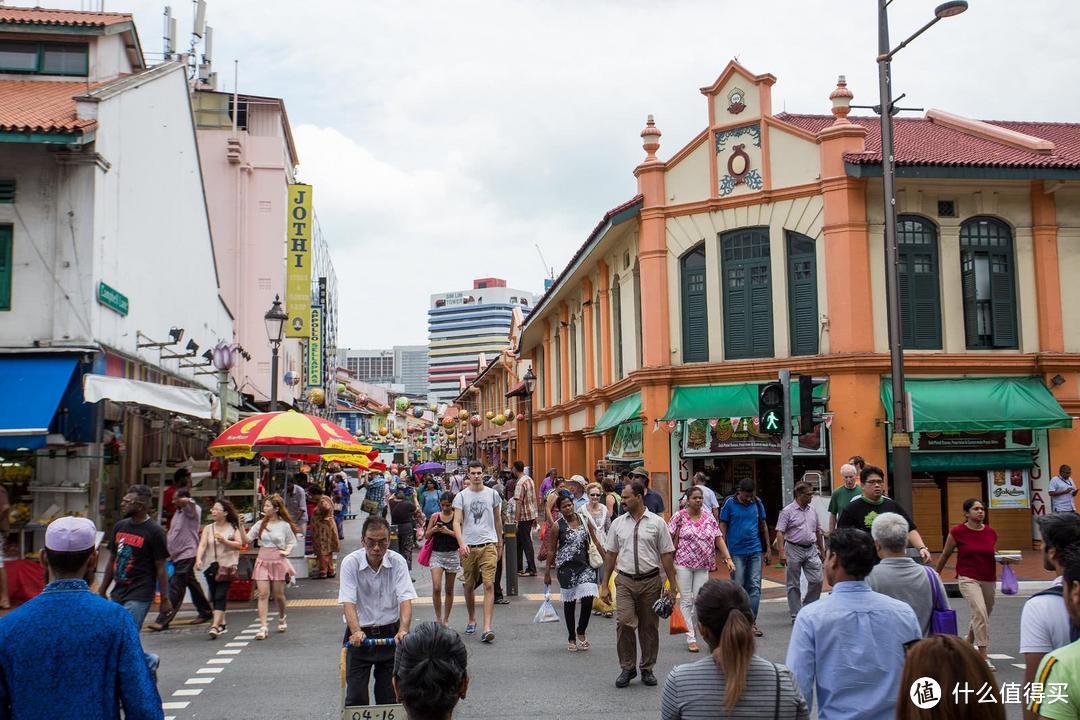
(677, 624)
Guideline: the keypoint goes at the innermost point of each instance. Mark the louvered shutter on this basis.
(971, 308)
(906, 315)
(802, 295)
(1003, 306)
(695, 323)
(925, 302)
(747, 294)
(761, 325)
(5, 267)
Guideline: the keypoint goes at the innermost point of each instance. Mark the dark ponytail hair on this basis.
(429, 669)
(724, 608)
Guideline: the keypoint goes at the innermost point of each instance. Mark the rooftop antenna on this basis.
(170, 33)
(199, 26)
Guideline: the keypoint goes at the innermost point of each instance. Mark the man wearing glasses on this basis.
(376, 594)
(862, 510)
(798, 536)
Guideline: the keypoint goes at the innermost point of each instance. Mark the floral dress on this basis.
(576, 578)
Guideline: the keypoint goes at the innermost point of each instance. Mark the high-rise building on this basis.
(411, 369)
(401, 365)
(372, 366)
(463, 324)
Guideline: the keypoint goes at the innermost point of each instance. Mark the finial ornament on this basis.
(650, 137)
(841, 100)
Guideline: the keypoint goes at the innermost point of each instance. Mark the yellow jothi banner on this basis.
(298, 261)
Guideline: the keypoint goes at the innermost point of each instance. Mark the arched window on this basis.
(747, 277)
(802, 294)
(616, 328)
(987, 279)
(920, 298)
(695, 320)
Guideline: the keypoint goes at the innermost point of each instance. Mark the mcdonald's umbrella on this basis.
(293, 435)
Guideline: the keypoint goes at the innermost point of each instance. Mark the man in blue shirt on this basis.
(654, 501)
(850, 646)
(742, 521)
(68, 652)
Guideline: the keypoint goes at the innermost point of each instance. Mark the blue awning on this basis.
(30, 392)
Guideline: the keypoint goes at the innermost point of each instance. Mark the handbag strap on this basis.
(776, 705)
(935, 589)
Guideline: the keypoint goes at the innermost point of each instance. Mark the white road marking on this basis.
(998, 656)
(219, 661)
(1019, 666)
(174, 705)
(228, 652)
(187, 692)
(236, 644)
(199, 681)
(208, 671)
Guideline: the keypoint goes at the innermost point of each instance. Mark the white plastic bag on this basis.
(546, 613)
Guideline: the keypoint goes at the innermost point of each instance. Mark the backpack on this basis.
(1058, 591)
(760, 514)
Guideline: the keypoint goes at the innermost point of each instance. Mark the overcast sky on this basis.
(446, 140)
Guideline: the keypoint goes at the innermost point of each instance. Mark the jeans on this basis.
(360, 661)
(525, 546)
(690, 581)
(748, 575)
(138, 610)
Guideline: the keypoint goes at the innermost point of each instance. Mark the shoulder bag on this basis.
(596, 559)
(225, 573)
(942, 618)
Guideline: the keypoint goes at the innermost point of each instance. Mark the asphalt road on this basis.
(526, 673)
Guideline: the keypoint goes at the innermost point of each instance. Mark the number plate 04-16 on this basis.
(374, 712)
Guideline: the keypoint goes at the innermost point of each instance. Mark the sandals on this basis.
(571, 647)
(214, 632)
(583, 643)
(282, 626)
(263, 633)
(693, 647)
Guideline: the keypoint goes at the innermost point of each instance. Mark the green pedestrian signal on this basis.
(771, 408)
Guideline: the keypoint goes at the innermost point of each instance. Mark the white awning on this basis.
(194, 402)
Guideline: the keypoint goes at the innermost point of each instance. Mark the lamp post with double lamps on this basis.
(275, 319)
(901, 437)
(530, 384)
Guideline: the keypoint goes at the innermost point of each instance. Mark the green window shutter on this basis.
(1002, 303)
(616, 324)
(7, 191)
(920, 299)
(695, 322)
(988, 267)
(971, 307)
(802, 294)
(746, 274)
(5, 267)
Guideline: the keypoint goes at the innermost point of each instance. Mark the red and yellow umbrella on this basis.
(293, 435)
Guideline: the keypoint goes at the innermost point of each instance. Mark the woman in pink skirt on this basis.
(276, 533)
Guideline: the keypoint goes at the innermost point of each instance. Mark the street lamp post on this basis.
(530, 383)
(275, 328)
(901, 438)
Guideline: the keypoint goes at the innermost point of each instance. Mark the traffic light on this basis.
(807, 417)
(771, 408)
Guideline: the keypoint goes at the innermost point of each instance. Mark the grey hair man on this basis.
(842, 495)
(898, 575)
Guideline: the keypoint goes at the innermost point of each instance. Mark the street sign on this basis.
(112, 299)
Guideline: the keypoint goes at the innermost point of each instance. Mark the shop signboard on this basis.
(1008, 489)
(298, 261)
(701, 439)
(628, 442)
(953, 441)
(314, 348)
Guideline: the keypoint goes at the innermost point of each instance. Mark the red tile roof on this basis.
(922, 141)
(68, 18)
(39, 106)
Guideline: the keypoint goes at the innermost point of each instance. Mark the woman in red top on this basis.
(974, 542)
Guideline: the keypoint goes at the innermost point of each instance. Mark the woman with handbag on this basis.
(222, 540)
(569, 543)
(974, 543)
(697, 539)
(324, 535)
(445, 562)
(276, 533)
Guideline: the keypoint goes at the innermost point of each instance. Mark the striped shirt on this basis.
(525, 497)
(696, 692)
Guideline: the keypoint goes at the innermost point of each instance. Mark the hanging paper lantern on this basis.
(397, 434)
(316, 397)
(489, 414)
(383, 430)
(340, 387)
(463, 415)
(402, 403)
(362, 398)
(475, 421)
(448, 422)
(499, 420)
(418, 412)
(433, 407)
(520, 417)
(508, 413)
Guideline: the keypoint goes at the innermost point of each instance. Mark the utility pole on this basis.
(787, 459)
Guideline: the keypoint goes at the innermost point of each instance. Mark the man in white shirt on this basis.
(1062, 491)
(478, 526)
(376, 594)
(1044, 623)
(709, 502)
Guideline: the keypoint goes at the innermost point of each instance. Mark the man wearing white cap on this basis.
(68, 652)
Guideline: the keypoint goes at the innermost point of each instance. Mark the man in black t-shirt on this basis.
(862, 510)
(139, 551)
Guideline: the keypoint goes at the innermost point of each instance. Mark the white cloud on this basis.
(445, 139)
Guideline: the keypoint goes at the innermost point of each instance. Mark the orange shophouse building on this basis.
(758, 246)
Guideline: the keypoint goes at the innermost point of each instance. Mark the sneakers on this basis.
(488, 637)
(470, 628)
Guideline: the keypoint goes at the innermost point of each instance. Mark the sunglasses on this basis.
(594, 494)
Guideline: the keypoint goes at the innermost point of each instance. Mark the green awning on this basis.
(943, 461)
(726, 401)
(1001, 403)
(623, 409)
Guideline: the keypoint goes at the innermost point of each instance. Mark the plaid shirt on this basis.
(525, 498)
